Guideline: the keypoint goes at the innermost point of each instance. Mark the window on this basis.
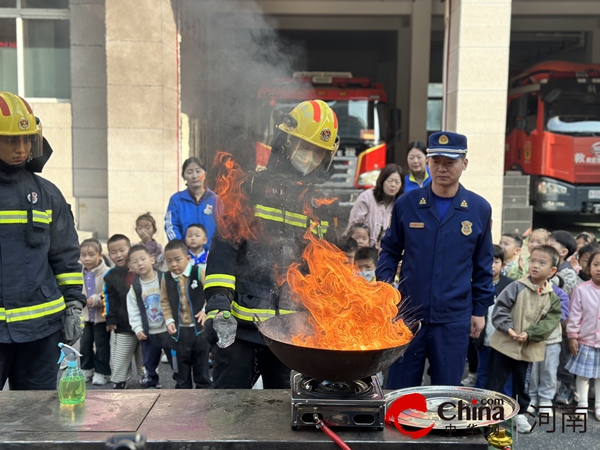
(531, 114)
(512, 115)
(35, 55)
(435, 95)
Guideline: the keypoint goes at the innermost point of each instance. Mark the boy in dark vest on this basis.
(145, 314)
(182, 302)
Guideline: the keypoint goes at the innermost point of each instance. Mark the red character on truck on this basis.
(360, 106)
(553, 135)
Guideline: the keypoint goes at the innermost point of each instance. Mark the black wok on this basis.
(332, 365)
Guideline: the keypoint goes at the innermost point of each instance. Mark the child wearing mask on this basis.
(366, 262)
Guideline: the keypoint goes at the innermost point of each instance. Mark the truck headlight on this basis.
(547, 187)
(368, 178)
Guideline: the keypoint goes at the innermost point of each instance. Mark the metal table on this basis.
(177, 419)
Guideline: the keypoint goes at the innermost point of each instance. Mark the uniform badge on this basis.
(443, 140)
(208, 210)
(416, 225)
(467, 228)
(422, 201)
(23, 124)
(326, 134)
(464, 204)
(33, 198)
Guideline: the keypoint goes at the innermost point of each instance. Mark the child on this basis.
(584, 341)
(512, 245)
(145, 314)
(95, 366)
(366, 261)
(145, 227)
(360, 233)
(349, 246)
(195, 239)
(482, 343)
(584, 257)
(183, 316)
(525, 314)
(565, 245)
(538, 237)
(584, 238)
(117, 282)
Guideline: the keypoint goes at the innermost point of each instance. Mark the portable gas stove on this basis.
(358, 403)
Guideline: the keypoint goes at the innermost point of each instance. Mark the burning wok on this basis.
(332, 365)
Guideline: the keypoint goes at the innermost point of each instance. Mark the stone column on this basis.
(475, 80)
(143, 111)
(419, 69)
(88, 93)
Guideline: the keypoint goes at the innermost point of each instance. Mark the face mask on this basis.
(368, 275)
(305, 161)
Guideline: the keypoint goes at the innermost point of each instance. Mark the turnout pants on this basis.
(444, 345)
(99, 361)
(31, 365)
(500, 368)
(190, 361)
(239, 366)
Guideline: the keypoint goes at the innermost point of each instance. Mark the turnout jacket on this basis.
(39, 253)
(247, 272)
(446, 270)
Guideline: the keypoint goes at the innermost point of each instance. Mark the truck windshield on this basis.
(358, 120)
(575, 114)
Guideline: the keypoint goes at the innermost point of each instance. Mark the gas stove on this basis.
(358, 403)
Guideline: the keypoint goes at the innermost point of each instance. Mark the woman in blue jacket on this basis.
(418, 172)
(195, 205)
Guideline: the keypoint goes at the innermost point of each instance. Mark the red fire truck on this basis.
(553, 135)
(360, 106)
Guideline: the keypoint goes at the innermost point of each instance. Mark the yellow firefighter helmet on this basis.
(316, 123)
(17, 119)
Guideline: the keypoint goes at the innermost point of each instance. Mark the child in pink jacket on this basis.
(584, 339)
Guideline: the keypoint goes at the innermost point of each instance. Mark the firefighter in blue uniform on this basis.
(40, 277)
(442, 234)
(242, 277)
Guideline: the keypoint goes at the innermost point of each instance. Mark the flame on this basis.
(348, 312)
(324, 201)
(235, 221)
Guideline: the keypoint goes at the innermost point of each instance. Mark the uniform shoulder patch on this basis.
(467, 228)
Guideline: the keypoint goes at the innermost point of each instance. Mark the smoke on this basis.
(228, 49)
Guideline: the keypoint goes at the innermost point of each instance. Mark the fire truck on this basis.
(553, 135)
(360, 106)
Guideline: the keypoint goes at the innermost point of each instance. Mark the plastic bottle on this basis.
(225, 326)
(71, 387)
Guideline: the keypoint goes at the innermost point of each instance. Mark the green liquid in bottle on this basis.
(71, 388)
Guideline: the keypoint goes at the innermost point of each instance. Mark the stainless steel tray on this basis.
(450, 399)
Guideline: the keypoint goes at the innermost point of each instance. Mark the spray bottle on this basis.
(71, 387)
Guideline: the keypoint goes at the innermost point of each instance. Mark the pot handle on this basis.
(418, 326)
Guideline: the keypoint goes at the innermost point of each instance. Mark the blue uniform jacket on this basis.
(447, 265)
(183, 211)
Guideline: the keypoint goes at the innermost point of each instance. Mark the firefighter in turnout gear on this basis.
(40, 277)
(247, 277)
